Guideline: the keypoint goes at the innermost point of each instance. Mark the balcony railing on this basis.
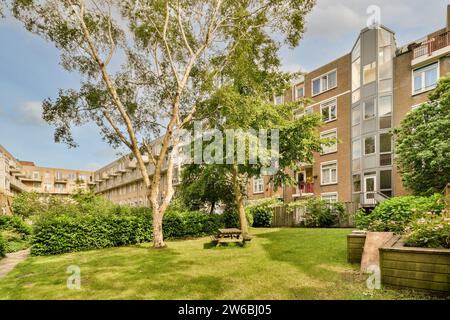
(305, 189)
(434, 44)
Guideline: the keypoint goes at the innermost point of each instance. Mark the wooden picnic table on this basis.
(230, 235)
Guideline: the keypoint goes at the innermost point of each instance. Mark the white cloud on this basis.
(332, 19)
(29, 113)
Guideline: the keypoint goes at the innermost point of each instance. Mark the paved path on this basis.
(11, 260)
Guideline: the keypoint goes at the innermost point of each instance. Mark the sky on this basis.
(30, 72)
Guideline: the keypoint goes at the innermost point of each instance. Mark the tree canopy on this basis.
(147, 66)
(423, 143)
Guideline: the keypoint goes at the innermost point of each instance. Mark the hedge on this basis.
(56, 234)
(2, 247)
(14, 223)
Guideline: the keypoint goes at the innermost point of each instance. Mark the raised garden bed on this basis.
(416, 268)
(355, 246)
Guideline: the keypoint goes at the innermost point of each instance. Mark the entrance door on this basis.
(369, 189)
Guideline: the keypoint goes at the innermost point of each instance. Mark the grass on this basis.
(277, 264)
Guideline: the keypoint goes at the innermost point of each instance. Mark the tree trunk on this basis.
(213, 206)
(239, 199)
(158, 237)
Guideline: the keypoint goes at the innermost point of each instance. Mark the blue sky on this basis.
(30, 72)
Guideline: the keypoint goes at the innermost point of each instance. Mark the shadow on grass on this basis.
(308, 250)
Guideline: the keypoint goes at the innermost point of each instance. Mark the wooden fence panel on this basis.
(282, 218)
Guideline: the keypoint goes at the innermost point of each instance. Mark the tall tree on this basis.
(147, 65)
(245, 102)
(423, 143)
(205, 185)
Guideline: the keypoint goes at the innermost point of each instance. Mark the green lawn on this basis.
(277, 264)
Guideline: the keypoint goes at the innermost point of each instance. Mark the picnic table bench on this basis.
(230, 235)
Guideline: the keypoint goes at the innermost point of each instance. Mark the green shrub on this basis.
(230, 218)
(27, 204)
(2, 247)
(55, 234)
(319, 213)
(190, 224)
(16, 224)
(396, 213)
(431, 231)
(262, 212)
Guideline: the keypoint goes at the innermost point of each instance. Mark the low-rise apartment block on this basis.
(24, 176)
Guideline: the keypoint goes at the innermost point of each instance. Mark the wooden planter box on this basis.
(355, 246)
(415, 268)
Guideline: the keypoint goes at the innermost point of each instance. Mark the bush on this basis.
(190, 224)
(230, 218)
(431, 231)
(262, 212)
(55, 234)
(27, 204)
(319, 213)
(2, 247)
(396, 213)
(16, 224)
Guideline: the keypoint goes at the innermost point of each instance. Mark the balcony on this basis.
(16, 184)
(61, 179)
(432, 48)
(31, 178)
(304, 189)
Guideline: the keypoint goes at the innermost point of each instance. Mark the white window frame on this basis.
(323, 105)
(374, 110)
(321, 173)
(326, 194)
(333, 148)
(423, 77)
(258, 185)
(296, 97)
(275, 99)
(364, 145)
(322, 90)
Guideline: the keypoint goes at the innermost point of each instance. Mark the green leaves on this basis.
(423, 143)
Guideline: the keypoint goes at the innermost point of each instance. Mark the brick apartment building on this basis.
(362, 96)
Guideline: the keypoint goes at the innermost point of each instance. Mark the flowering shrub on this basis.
(395, 214)
(430, 231)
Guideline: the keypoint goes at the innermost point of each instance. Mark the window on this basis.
(59, 186)
(329, 173)
(58, 176)
(301, 112)
(356, 74)
(279, 100)
(258, 185)
(329, 110)
(385, 143)
(299, 92)
(325, 82)
(369, 145)
(356, 149)
(36, 175)
(356, 116)
(385, 106)
(331, 197)
(356, 183)
(369, 73)
(425, 78)
(369, 110)
(385, 179)
(331, 134)
(384, 60)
